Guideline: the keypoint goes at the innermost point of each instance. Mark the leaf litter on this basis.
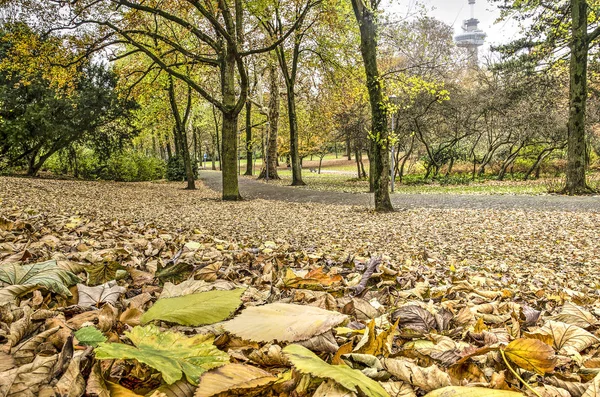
(141, 289)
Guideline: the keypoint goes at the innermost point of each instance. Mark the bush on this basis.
(133, 166)
(176, 169)
(122, 167)
(127, 166)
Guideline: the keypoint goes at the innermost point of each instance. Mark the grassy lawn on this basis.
(339, 175)
(347, 183)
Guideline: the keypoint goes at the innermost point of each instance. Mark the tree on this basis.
(174, 36)
(39, 118)
(365, 12)
(568, 28)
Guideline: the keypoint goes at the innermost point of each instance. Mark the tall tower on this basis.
(472, 38)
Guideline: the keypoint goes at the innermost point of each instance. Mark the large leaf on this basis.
(192, 286)
(283, 322)
(45, 274)
(95, 296)
(232, 377)
(567, 338)
(11, 292)
(575, 315)
(196, 309)
(171, 353)
(307, 362)
(26, 380)
(101, 273)
(532, 355)
(462, 391)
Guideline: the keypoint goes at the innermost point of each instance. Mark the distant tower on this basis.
(472, 38)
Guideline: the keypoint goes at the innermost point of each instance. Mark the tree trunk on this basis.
(249, 149)
(576, 183)
(229, 138)
(536, 166)
(180, 133)
(274, 103)
(293, 118)
(357, 161)
(348, 152)
(366, 17)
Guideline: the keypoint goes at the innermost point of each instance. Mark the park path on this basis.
(250, 188)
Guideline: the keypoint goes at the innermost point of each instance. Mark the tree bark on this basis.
(179, 131)
(366, 17)
(293, 119)
(249, 149)
(576, 183)
(230, 117)
(274, 103)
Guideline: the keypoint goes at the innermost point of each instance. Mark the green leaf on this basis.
(307, 362)
(171, 353)
(195, 309)
(45, 274)
(90, 336)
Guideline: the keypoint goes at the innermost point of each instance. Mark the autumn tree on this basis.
(366, 13)
(560, 30)
(40, 117)
(174, 36)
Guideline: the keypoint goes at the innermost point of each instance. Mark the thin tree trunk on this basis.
(274, 103)
(249, 149)
(180, 133)
(293, 119)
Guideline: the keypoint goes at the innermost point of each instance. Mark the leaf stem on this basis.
(517, 375)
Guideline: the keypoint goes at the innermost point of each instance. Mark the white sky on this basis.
(453, 12)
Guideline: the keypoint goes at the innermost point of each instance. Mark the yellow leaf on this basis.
(532, 355)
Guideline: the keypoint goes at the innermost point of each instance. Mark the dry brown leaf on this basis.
(566, 337)
(26, 380)
(232, 377)
(96, 386)
(72, 383)
(575, 315)
(282, 322)
(425, 378)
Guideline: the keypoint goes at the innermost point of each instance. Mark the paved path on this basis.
(253, 189)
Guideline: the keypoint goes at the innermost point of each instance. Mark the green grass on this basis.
(349, 184)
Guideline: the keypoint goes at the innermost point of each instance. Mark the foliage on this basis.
(176, 169)
(90, 336)
(171, 353)
(45, 274)
(307, 362)
(38, 119)
(195, 309)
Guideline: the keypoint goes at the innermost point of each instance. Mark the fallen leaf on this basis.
(282, 322)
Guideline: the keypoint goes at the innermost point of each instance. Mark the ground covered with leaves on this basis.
(147, 289)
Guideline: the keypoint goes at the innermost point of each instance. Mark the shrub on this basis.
(176, 169)
(122, 167)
